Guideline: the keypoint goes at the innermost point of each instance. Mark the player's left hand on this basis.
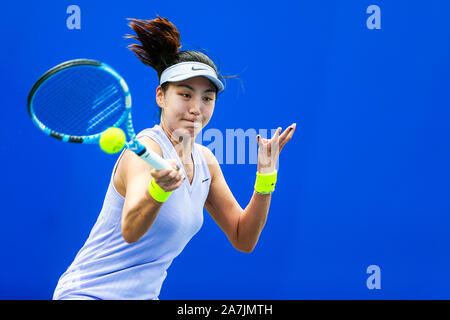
(269, 149)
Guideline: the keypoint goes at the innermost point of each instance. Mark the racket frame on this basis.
(133, 144)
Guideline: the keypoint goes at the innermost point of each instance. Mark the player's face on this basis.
(188, 105)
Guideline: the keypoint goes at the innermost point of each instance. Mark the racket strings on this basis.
(49, 96)
(104, 115)
(80, 101)
(106, 102)
(55, 93)
(53, 101)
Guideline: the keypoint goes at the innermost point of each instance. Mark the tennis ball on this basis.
(112, 140)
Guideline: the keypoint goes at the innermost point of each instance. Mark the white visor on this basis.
(185, 70)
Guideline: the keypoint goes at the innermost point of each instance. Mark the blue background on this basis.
(364, 181)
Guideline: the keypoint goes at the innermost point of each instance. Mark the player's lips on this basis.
(192, 124)
(192, 121)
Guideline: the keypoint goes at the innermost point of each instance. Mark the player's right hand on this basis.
(169, 179)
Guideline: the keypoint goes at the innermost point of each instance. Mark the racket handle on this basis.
(154, 159)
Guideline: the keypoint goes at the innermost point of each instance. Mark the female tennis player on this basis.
(149, 215)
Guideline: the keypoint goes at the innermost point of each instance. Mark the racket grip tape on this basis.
(154, 159)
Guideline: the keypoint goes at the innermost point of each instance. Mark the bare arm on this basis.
(243, 227)
(140, 209)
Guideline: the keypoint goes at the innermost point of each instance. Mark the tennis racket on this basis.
(77, 100)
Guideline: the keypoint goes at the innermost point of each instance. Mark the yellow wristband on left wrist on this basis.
(265, 183)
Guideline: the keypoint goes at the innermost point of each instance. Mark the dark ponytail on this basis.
(159, 42)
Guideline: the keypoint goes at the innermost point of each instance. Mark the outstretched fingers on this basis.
(278, 138)
(287, 135)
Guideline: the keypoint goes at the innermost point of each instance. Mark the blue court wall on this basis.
(365, 180)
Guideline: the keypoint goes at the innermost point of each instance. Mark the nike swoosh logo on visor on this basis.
(195, 69)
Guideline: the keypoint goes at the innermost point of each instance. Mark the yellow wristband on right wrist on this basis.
(265, 183)
(158, 193)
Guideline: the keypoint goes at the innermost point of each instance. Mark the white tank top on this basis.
(107, 267)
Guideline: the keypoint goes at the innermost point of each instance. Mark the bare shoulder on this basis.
(211, 160)
(151, 144)
(131, 166)
(209, 156)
